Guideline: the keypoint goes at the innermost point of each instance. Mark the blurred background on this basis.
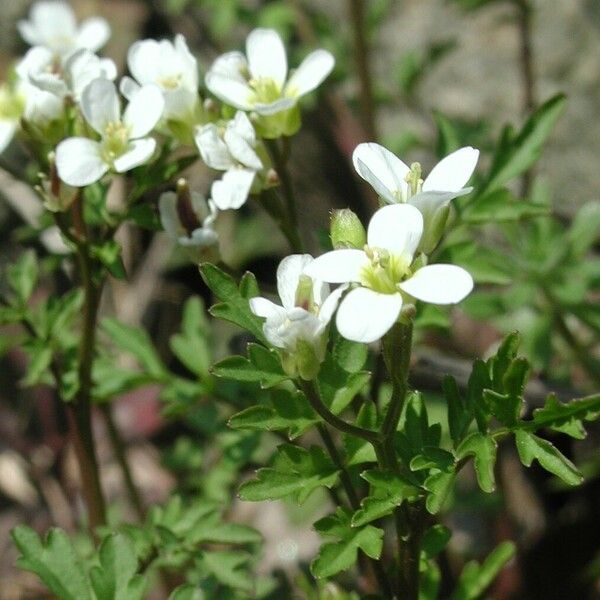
(438, 73)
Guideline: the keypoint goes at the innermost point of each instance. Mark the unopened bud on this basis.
(210, 107)
(346, 230)
(185, 209)
(304, 361)
(272, 178)
(433, 229)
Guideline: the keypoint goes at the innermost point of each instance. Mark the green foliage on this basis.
(296, 472)
(338, 556)
(23, 275)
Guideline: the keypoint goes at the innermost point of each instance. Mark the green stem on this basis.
(280, 159)
(271, 203)
(312, 394)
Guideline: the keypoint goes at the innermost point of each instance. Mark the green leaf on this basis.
(54, 561)
(287, 410)
(475, 579)
(436, 538)
(359, 451)
(351, 356)
(516, 154)
(566, 418)
(459, 416)
(40, 358)
(531, 447)
(483, 448)
(295, 472)
(388, 491)
(23, 275)
(229, 568)
(109, 254)
(116, 578)
(585, 229)
(262, 366)
(438, 485)
(187, 591)
(499, 206)
(338, 387)
(135, 341)
(234, 306)
(191, 345)
(486, 265)
(334, 557)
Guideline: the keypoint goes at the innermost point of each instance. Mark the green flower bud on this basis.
(346, 230)
(433, 230)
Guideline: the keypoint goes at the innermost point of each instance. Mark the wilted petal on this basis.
(288, 275)
(232, 190)
(453, 171)
(311, 72)
(266, 55)
(78, 161)
(439, 284)
(382, 169)
(100, 104)
(365, 315)
(144, 111)
(396, 227)
(138, 153)
(93, 34)
(338, 266)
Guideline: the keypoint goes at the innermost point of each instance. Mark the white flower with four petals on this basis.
(384, 276)
(124, 142)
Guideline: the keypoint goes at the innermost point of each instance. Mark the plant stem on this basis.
(361, 59)
(312, 394)
(119, 451)
(272, 205)
(280, 156)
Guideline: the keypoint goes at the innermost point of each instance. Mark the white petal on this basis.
(180, 104)
(231, 65)
(382, 169)
(439, 284)
(338, 266)
(36, 60)
(128, 87)
(189, 70)
(311, 72)
(288, 275)
(453, 171)
(232, 190)
(242, 125)
(396, 227)
(264, 308)
(201, 237)
(365, 315)
(212, 148)
(138, 153)
(241, 150)
(331, 302)
(7, 132)
(28, 32)
(93, 34)
(266, 55)
(83, 66)
(142, 59)
(230, 91)
(78, 161)
(50, 24)
(144, 111)
(273, 107)
(100, 104)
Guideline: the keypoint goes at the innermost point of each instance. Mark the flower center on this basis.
(115, 140)
(414, 181)
(266, 90)
(169, 82)
(384, 271)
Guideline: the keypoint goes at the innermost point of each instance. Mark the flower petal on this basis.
(143, 58)
(50, 24)
(232, 92)
(212, 148)
(144, 111)
(273, 107)
(365, 315)
(78, 161)
(93, 34)
(382, 169)
(331, 302)
(396, 227)
(266, 55)
(439, 284)
(231, 191)
(338, 266)
(7, 132)
(138, 153)
(100, 104)
(453, 171)
(129, 87)
(231, 65)
(288, 275)
(241, 150)
(264, 308)
(311, 72)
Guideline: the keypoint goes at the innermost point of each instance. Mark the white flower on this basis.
(384, 274)
(298, 326)
(230, 149)
(396, 182)
(66, 76)
(259, 82)
(52, 24)
(12, 105)
(123, 141)
(170, 66)
(188, 223)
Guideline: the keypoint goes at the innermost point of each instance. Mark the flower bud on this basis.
(433, 230)
(305, 360)
(346, 230)
(185, 210)
(57, 195)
